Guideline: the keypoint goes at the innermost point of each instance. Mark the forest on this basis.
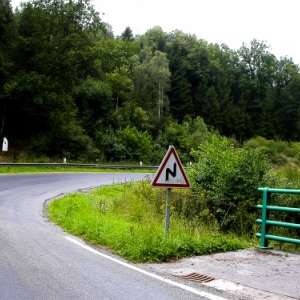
(70, 88)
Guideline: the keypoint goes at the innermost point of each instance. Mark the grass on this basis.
(50, 169)
(129, 219)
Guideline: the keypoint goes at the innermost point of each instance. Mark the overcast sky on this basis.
(232, 22)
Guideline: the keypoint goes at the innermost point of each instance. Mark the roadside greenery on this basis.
(227, 178)
(129, 219)
(49, 169)
(218, 211)
(70, 88)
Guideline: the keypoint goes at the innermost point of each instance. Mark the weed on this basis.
(128, 219)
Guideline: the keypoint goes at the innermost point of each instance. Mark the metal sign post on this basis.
(170, 174)
(167, 220)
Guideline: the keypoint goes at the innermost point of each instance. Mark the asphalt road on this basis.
(39, 261)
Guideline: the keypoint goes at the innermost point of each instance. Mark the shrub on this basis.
(228, 178)
(138, 144)
(277, 152)
(111, 146)
(184, 136)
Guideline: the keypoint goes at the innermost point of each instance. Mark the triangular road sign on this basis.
(170, 173)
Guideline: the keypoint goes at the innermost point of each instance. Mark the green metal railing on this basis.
(266, 223)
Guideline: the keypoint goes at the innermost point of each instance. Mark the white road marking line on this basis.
(182, 286)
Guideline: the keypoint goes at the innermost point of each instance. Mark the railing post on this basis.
(266, 223)
(264, 218)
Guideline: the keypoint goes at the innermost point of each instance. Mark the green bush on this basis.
(279, 153)
(138, 144)
(184, 137)
(228, 178)
(111, 146)
(128, 144)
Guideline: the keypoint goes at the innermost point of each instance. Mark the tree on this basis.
(113, 54)
(155, 38)
(53, 40)
(7, 35)
(150, 74)
(127, 35)
(160, 74)
(286, 104)
(288, 113)
(120, 84)
(6, 22)
(140, 77)
(111, 66)
(94, 100)
(257, 72)
(179, 93)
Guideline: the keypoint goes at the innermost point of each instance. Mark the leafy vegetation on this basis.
(129, 219)
(221, 204)
(70, 88)
(228, 178)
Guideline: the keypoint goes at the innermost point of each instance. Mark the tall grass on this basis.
(50, 169)
(129, 219)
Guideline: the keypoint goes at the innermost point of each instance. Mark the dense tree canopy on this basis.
(69, 87)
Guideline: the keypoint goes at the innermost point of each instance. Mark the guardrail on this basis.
(266, 223)
(95, 166)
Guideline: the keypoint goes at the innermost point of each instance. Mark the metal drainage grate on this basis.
(196, 277)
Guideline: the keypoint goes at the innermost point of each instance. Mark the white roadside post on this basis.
(4, 145)
(170, 174)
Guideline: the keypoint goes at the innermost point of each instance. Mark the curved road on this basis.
(39, 261)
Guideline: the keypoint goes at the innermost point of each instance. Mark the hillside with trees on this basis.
(70, 88)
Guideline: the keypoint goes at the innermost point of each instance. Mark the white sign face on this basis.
(170, 173)
(5, 145)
